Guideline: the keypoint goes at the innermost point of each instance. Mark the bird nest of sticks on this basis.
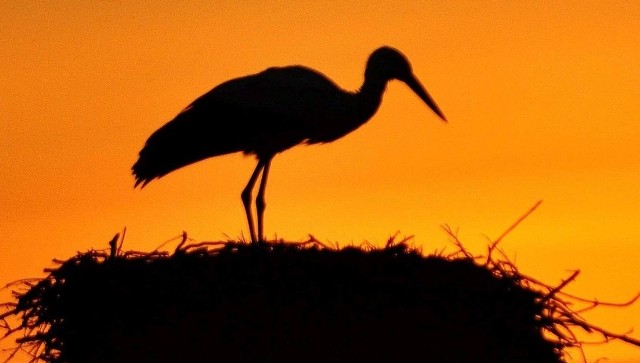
(281, 302)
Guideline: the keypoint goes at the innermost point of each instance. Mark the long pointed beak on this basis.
(415, 85)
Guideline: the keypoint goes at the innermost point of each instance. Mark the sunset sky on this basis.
(542, 100)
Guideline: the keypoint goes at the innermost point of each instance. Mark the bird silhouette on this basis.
(269, 112)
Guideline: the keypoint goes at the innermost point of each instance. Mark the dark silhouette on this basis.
(285, 302)
(267, 113)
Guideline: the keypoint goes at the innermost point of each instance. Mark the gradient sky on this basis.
(541, 97)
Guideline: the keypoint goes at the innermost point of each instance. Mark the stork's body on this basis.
(267, 113)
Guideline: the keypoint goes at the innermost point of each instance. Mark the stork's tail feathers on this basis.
(193, 135)
(171, 147)
(142, 171)
(167, 149)
(156, 159)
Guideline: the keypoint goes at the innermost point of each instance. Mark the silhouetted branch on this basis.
(113, 244)
(564, 283)
(313, 240)
(495, 243)
(203, 244)
(124, 234)
(180, 236)
(182, 242)
(453, 235)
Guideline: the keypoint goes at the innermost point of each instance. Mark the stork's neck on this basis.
(370, 96)
(357, 109)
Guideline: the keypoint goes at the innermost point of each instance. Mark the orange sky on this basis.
(542, 101)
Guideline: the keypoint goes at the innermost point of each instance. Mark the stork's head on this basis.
(387, 63)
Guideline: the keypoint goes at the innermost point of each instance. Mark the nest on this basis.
(285, 302)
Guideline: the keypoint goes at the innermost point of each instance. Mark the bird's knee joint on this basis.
(260, 203)
(246, 196)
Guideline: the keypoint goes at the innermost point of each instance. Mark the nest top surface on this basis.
(274, 302)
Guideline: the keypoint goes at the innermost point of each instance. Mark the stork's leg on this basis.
(260, 202)
(246, 198)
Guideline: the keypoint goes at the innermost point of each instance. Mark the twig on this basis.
(495, 243)
(168, 241)
(113, 245)
(454, 238)
(124, 233)
(313, 239)
(564, 283)
(203, 244)
(184, 239)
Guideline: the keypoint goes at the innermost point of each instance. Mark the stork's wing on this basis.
(263, 114)
(287, 93)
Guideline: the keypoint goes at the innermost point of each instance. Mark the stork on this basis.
(267, 113)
